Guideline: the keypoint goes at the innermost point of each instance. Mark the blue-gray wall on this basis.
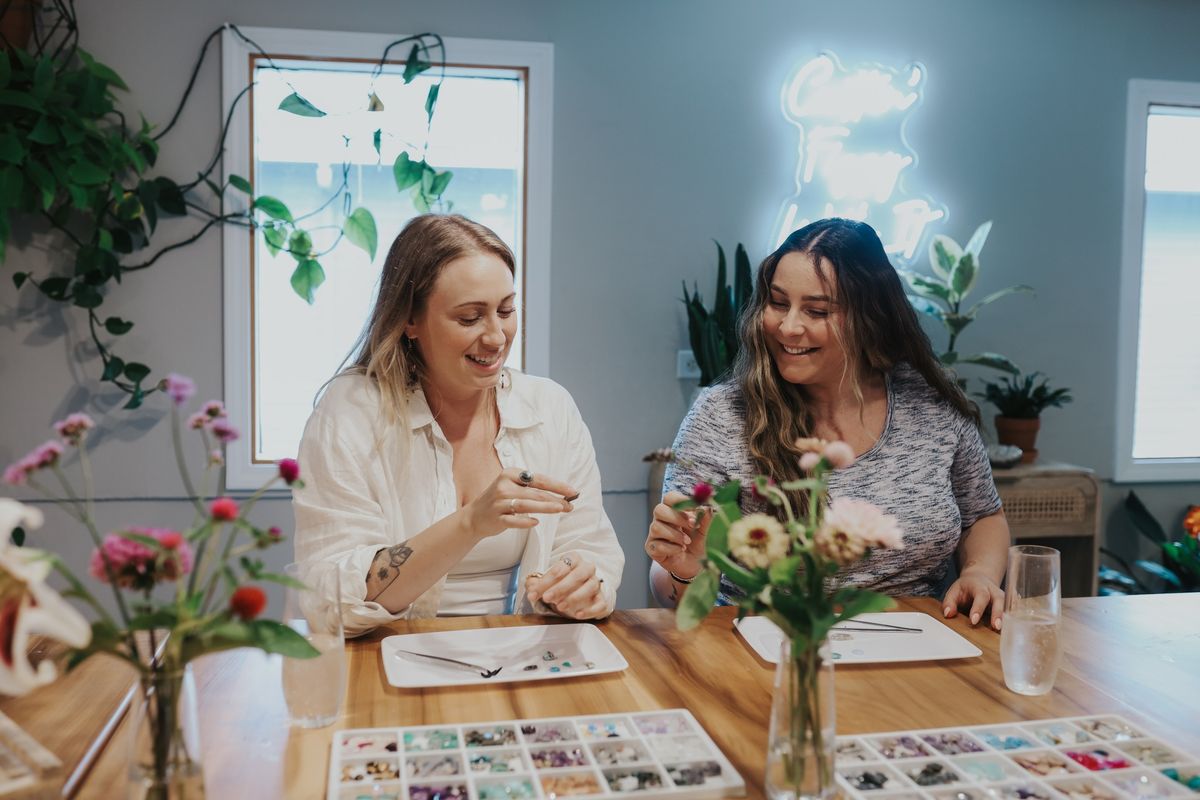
(667, 134)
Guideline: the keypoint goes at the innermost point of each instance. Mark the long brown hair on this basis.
(880, 330)
(426, 244)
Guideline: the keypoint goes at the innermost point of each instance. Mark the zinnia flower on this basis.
(756, 540)
(224, 509)
(138, 566)
(702, 492)
(247, 602)
(73, 428)
(851, 527)
(179, 387)
(809, 461)
(289, 470)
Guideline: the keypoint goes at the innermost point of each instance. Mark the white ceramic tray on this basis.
(935, 642)
(653, 753)
(520, 653)
(1070, 758)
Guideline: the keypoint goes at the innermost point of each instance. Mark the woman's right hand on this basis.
(676, 538)
(508, 502)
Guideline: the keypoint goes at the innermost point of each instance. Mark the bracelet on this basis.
(678, 579)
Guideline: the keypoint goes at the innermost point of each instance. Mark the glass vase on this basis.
(164, 759)
(800, 747)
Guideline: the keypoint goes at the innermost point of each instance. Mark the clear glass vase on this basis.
(800, 747)
(164, 759)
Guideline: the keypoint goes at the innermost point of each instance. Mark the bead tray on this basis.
(656, 753)
(1102, 757)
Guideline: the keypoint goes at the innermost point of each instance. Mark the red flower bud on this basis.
(247, 602)
(702, 492)
(289, 470)
(171, 540)
(224, 509)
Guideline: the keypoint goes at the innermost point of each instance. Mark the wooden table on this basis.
(1137, 656)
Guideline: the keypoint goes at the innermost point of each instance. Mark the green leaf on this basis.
(359, 229)
(431, 98)
(300, 245)
(55, 288)
(19, 279)
(978, 239)
(275, 238)
(170, 196)
(737, 574)
(282, 580)
(927, 307)
(860, 601)
(698, 600)
(43, 77)
(240, 183)
(113, 369)
(86, 173)
(782, 571)
(964, 275)
(994, 296)
(376, 138)
(117, 326)
(85, 296)
(944, 253)
(20, 99)
(275, 637)
(135, 399)
(932, 288)
(1143, 520)
(414, 65)
(420, 199)
(992, 360)
(273, 207)
(1168, 577)
(307, 277)
(101, 71)
(44, 132)
(136, 372)
(295, 104)
(11, 149)
(406, 171)
(728, 493)
(439, 183)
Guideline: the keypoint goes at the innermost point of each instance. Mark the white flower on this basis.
(851, 526)
(28, 606)
(757, 539)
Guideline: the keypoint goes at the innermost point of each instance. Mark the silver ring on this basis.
(526, 477)
(567, 560)
(512, 505)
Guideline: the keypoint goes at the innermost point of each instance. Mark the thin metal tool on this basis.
(483, 671)
(880, 627)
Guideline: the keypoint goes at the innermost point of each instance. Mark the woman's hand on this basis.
(509, 501)
(570, 587)
(676, 538)
(972, 593)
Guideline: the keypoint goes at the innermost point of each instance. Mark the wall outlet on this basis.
(686, 368)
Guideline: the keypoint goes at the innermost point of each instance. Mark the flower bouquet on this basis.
(178, 594)
(786, 566)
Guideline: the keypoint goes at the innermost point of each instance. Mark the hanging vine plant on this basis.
(69, 156)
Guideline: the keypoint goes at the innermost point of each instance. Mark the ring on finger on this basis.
(526, 477)
(512, 505)
(567, 560)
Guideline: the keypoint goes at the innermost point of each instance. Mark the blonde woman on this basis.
(439, 480)
(831, 348)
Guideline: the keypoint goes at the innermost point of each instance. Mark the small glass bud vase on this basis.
(164, 757)
(801, 746)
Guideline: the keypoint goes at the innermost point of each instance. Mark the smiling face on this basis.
(467, 326)
(801, 323)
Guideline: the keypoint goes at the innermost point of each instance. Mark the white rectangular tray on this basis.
(935, 642)
(577, 649)
(664, 753)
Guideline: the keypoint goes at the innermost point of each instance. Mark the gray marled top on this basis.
(929, 469)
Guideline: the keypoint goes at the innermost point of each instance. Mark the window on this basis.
(491, 128)
(1158, 427)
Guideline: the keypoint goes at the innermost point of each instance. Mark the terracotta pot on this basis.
(16, 22)
(1021, 433)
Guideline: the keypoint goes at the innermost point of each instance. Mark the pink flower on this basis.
(138, 566)
(197, 421)
(809, 461)
(16, 473)
(702, 492)
(274, 532)
(224, 431)
(73, 428)
(838, 454)
(224, 509)
(289, 470)
(213, 409)
(852, 526)
(46, 454)
(179, 387)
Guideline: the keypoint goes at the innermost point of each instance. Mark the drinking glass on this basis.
(313, 687)
(1030, 650)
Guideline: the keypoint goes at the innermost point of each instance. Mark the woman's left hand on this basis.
(973, 593)
(570, 587)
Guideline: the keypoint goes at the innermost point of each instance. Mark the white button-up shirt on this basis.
(370, 486)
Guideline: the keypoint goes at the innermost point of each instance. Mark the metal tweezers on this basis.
(484, 672)
(879, 627)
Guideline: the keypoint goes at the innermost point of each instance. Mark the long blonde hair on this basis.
(879, 330)
(426, 244)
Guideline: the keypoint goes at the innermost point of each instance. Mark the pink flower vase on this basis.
(800, 745)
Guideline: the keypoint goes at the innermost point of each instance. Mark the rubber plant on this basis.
(70, 157)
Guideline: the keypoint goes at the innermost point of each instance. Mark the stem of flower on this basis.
(177, 440)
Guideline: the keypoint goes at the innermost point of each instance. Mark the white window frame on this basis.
(1142, 94)
(535, 58)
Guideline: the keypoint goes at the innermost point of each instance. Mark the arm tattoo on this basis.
(385, 568)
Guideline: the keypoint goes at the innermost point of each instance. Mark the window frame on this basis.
(1142, 95)
(535, 59)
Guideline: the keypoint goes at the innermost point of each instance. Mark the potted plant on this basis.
(713, 332)
(1178, 567)
(942, 295)
(1021, 401)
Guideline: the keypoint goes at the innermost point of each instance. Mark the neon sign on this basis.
(852, 151)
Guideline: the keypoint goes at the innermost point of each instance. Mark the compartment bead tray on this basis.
(1069, 758)
(656, 753)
